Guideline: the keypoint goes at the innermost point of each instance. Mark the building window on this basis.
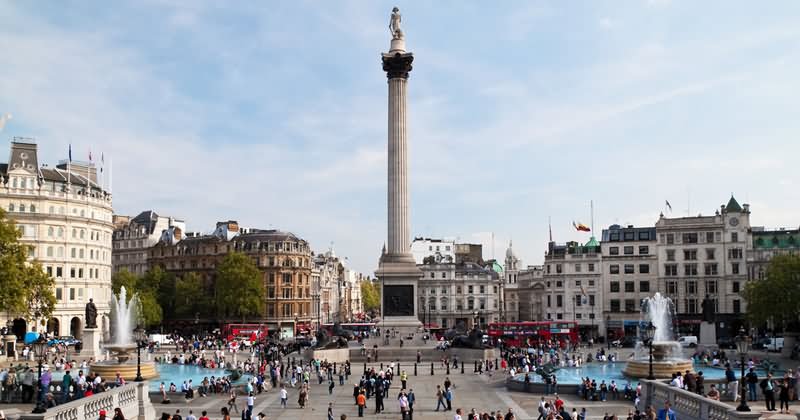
(470, 290)
(710, 253)
(614, 250)
(710, 269)
(559, 284)
(690, 269)
(482, 289)
(711, 287)
(591, 267)
(59, 272)
(670, 239)
(737, 306)
(672, 287)
(71, 294)
(591, 283)
(735, 268)
(614, 236)
(577, 299)
(444, 290)
(735, 253)
(630, 305)
(689, 238)
(614, 285)
(630, 287)
(670, 255)
(628, 250)
(734, 237)
(613, 268)
(735, 287)
(644, 268)
(690, 254)
(670, 269)
(629, 269)
(287, 278)
(710, 237)
(558, 268)
(49, 251)
(591, 300)
(644, 250)
(577, 268)
(691, 287)
(559, 301)
(644, 235)
(614, 305)
(644, 286)
(443, 304)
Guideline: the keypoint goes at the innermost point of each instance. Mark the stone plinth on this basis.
(708, 334)
(9, 345)
(399, 278)
(91, 343)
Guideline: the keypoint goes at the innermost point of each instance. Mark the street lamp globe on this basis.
(39, 348)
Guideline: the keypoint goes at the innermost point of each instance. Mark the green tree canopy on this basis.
(777, 297)
(239, 287)
(370, 296)
(190, 296)
(25, 289)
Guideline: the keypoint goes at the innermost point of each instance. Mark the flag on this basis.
(90, 155)
(585, 297)
(580, 227)
(70, 152)
(669, 206)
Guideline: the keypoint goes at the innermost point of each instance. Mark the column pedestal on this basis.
(399, 275)
(91, 343)
(9, 346)
(708, 333)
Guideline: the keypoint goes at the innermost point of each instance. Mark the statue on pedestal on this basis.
(708, 310)
(394, 24)
(91, 315)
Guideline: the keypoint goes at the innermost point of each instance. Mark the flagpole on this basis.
(591, 207)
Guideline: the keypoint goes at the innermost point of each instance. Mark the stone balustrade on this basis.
(688, 405)
(132, 399)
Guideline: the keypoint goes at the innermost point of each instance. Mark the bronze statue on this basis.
(91, 315)
(708, 310)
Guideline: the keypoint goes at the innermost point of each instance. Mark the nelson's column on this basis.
(397, 271)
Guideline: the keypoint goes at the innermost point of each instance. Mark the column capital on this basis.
(397, 65)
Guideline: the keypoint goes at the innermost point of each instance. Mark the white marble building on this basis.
(132, 240)
(66, 216)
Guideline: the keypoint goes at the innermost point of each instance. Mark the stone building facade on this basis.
(66, 217)
(767, 243)
(453, 294)
(630, 274)
(134, 236)
(705, 256)
(283, 258)
(572, 277)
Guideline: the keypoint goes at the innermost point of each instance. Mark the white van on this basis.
(688, 341)
(160, 339)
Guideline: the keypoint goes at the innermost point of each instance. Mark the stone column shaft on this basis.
(398, 235)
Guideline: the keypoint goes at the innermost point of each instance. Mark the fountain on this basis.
(124, 314)
(668, 355)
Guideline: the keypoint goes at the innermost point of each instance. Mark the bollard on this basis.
(398, 368)
(365, 368)
(334, 368)
(496, 364)
(431, 368)
(475, 367)
(448, 368)
(462, 366)
(381, 366)
(415, 369)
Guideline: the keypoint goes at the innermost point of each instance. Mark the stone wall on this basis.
(131, 398)
(688, 405)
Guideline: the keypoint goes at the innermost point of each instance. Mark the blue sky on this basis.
(274, 113)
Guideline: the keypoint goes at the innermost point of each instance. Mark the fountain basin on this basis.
(667, 359)
(108, 370)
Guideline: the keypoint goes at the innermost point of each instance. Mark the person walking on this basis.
(402, 402)
(440, 398)
(752, 381)
(284, 396)
(448, 396)
(768, 389)
(457, 416)
(783, 395)
(361, 401)
(225, 413)
(251, 401)
(411, 399)
(403, 379)
(330, 411)
(232, 401)
(302, 397)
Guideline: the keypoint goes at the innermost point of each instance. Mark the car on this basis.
(688, 341)
(774, 344)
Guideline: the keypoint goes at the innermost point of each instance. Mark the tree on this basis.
(191, 297)
(124, 278)
(777, 297)
(239, 289)
(370, 296)
(25, 289)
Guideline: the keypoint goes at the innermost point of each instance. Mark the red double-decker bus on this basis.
(525, 334)
(251, 332)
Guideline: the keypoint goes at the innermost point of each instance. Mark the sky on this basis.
(274, 113)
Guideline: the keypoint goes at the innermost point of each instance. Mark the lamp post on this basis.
(140, 337)
(742, 345)
(650, 331)
(474, 320)
(40, 352)
(608, 338)
(296, 319)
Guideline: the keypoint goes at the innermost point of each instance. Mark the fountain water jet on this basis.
(124, 317)
(667, 353)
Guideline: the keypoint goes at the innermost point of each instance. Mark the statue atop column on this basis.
(394, 24)
(91, 315)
